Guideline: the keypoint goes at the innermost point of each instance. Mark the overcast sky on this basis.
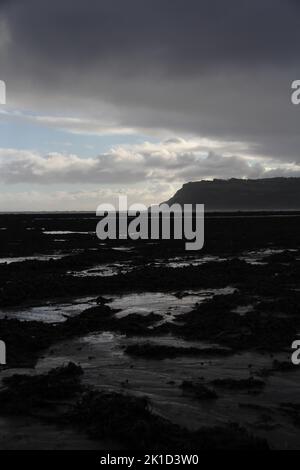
(139, 96)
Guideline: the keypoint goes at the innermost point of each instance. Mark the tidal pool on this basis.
(168, 305)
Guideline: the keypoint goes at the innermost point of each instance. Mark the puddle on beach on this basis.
(251, 257)
(20, 259)
(168, 305)
(181, 262)
(243, 309)
(50, 312)
(104, 269)
(258, 256)
(66, 232)
(123, 248)
(123, 267)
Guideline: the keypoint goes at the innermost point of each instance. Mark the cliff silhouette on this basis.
(270, 194)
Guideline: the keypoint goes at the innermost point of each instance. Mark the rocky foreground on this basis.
(258, 318)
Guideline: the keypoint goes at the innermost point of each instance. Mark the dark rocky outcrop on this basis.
(270, 194)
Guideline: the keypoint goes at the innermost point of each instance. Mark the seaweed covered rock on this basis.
(25, 394)
(130, 420)
(198, 390)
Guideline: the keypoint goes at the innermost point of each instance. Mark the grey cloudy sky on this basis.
(140, 96)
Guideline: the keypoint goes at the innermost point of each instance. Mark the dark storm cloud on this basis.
(179, 35)
(211, 68)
